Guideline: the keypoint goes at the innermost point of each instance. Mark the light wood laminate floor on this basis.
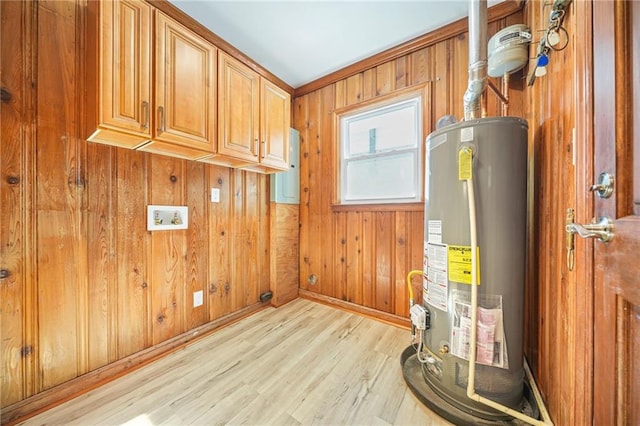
(301, 364)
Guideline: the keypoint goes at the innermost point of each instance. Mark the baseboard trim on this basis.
(358, 309)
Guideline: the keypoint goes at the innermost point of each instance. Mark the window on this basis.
(380, 152)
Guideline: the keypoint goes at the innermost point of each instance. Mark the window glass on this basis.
(380, 153)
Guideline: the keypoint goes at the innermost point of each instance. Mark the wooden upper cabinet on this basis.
(162, 88)
(275, 119)
(254, 116)
(185, 92)
(238, 109)
(121, 57)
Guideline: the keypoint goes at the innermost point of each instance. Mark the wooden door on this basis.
(238, 110)
(125, 73)
(616, 42)
(275, 119)
(185, 82)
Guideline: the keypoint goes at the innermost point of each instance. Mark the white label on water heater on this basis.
(435, 231)
(466, 134)
(437, 275)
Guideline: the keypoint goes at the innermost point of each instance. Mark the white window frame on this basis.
(413, 99)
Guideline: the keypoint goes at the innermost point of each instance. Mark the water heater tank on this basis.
(499, 168)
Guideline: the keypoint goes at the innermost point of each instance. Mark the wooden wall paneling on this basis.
(17, 352)
(197, 274)
(220, 234)
(168, 251)
(284, 246)
(58, 198)
(552, 118)
(403, 65)
(369, 272)
(239, 248)
(459, 69)
(300, 123)
(254, 259)
(311, 175)
(385, 78)
(421, 66)
(353, 93)
(401, 262)
(368, 84)
(491, 100)
(339, 278)
(324, 188)
(263, 233)
(133, 301)
(442, 81)
(385, 261)
(101, 267)
(416, 244)
(353, 258)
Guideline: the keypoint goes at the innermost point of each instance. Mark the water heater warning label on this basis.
(459, 264)
(436, 267)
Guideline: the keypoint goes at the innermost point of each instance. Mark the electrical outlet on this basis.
(215, 195)
(197, 298)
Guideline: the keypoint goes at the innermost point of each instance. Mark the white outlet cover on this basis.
(215, 195)
(198, 298)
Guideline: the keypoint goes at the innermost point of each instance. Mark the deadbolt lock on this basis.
(604, 187)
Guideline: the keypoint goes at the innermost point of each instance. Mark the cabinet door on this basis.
(275, 119)
(238, 110)
(124, 68)
(185, 87)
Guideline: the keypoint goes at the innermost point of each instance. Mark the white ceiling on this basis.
(301, 41)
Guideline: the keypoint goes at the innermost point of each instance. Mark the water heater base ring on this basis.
(412, 372)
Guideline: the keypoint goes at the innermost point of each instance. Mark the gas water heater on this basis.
(491, 155)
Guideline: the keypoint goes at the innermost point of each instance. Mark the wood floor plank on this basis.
(301, 364)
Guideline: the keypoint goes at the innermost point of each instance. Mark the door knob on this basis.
(603, 229)
(604, 187)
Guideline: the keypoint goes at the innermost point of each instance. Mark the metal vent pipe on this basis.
(477, 58)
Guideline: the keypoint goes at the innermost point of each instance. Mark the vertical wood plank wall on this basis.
(88, 284)
(559, 318)
(361, 257)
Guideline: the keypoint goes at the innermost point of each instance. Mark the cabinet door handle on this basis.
(263, 149)
(145, 113)
(161, 119)
(256, 146)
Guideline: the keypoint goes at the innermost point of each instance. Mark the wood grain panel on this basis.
(353, 258)
(15, 222)
(57, 198)
(132, 243)
(339, 278)
(196, 274)
(168, 251)
(101, 266)
(285, 249)
(220, 243)
(385, 261)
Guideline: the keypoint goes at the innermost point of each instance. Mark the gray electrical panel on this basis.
(285, 186)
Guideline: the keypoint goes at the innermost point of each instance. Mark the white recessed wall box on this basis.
(162, 218)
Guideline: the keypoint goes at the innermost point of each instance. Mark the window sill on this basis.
(399, 207)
